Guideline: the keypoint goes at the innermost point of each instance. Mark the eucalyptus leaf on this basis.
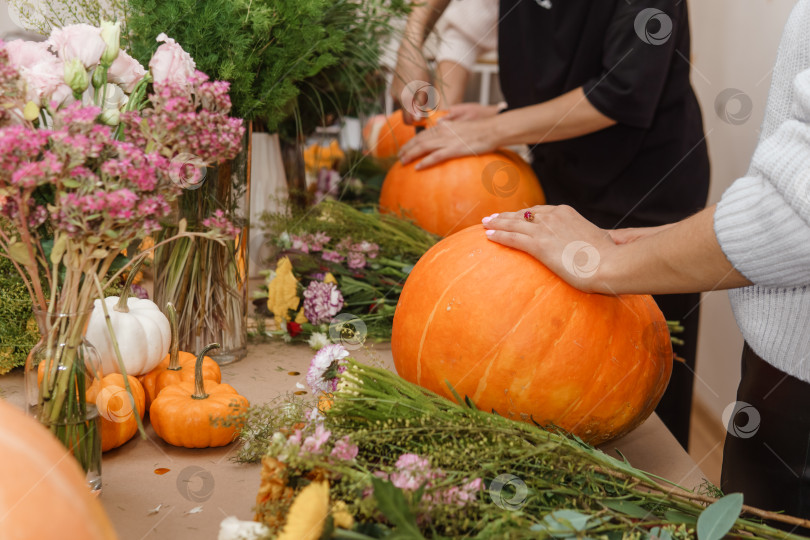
(718, 519)
(627, 508)
(393, 504)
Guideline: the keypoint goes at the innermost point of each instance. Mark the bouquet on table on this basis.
(339, 273)
(379, 457)
(94, 149)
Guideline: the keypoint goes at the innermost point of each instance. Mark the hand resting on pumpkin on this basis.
(678, 258)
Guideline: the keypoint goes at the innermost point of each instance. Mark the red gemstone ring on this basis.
(528, 216)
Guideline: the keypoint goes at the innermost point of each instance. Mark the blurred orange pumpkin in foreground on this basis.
(43, 493)
(505, 331)
(456, 194)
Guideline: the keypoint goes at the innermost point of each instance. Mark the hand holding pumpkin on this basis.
(560, 238)
(448, 140)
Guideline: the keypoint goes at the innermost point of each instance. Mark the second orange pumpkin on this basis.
(453, 195)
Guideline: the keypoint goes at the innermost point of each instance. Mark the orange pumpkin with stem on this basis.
(179, 363)
(44, 495)
(118, 423)
(190, 414)
(505, 331)
(458, 193)
(383, 137)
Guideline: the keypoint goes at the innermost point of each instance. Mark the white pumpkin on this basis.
(141, 330)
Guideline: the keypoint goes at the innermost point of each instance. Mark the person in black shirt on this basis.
(601, 93)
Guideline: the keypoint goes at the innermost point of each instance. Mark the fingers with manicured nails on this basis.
(511, 239)
(512, 225)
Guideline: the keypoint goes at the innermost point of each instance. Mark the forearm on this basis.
(683, 258)
(422, 19)
(565, 117)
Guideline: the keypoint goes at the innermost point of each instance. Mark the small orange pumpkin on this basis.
(384, 137)
(179, 363)
(184, 414)
(504, 330)
(458, 193)
(118, 423)
(44, 495)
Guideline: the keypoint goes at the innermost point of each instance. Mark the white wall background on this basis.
(734, 45)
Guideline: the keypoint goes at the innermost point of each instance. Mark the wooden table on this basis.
(202, 487)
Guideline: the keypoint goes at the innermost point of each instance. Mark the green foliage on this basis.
(18, 328)
(272, 51)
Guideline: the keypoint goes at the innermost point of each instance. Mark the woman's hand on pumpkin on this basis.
(567, 243)
(625, 236)
(448, 140)
(469, 111)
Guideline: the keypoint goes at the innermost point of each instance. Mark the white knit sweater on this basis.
(763, 220)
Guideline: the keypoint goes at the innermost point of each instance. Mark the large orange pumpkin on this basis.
(383, 137)
(456, 194)
(504, 330)
(43, 494)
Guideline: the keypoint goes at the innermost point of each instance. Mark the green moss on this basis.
(18, 329)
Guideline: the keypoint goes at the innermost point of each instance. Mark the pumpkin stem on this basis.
(174, 348)
(121, 306)
(199, 383)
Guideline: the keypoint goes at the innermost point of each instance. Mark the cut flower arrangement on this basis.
(379, 457)
(339, 273)
(92, 150)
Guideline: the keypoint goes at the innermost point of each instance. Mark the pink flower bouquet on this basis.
(94, 149)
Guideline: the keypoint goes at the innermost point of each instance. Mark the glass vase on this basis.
(207, 281)
(58, 371)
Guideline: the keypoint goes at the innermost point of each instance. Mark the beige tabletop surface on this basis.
(202, 487)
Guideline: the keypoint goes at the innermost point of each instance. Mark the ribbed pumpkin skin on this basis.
(513, 337)
(180, 420)
(385, 136)
(118, 423)
(42, 493)
(211, 372)
(456, 194)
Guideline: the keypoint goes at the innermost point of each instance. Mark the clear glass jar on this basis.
(58, 371)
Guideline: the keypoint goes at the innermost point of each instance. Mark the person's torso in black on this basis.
(632, 59)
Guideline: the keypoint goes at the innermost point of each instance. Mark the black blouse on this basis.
(632, 59)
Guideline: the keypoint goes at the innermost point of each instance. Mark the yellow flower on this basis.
(281, 292)
(30, 111)
(308, 513)
(317, 157)
(341, 516)
(329, 278)
(301, 318)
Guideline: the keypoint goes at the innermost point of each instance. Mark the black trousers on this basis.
(767, 452)
(675, 407)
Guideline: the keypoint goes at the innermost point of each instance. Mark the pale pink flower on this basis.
(313, 443)
(344, 449)
(171, 63)
(328, 363)
(43, 73)
(126, 72)
(26, 54)
(80, 41)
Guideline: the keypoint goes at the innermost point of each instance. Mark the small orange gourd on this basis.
(190, 414)
(179, 363)
(118, 422)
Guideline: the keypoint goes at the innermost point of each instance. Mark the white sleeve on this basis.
(763, 221)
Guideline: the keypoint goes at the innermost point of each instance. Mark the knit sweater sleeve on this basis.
(762, 221)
